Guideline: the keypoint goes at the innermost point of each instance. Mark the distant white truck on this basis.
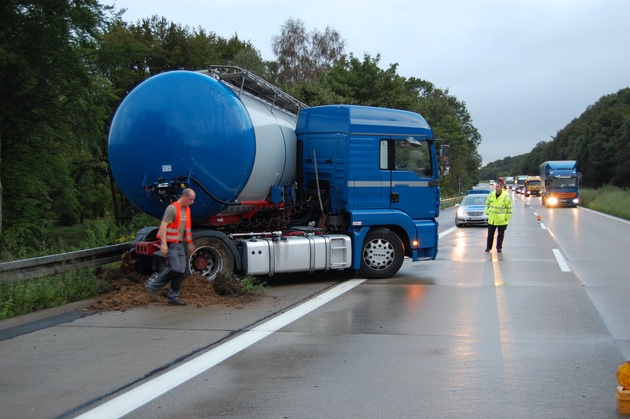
(520, 183)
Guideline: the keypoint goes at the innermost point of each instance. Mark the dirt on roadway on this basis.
(126, 291)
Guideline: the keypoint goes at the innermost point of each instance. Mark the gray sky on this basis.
(524, 68)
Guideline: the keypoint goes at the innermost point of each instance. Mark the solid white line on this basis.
(563, 265)
(450, 230)
(146, 392)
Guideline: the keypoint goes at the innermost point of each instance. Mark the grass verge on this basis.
(23, 297)
(607, 199)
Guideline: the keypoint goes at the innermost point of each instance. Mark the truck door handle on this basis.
(395, 197)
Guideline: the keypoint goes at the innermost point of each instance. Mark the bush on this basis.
(228, 284)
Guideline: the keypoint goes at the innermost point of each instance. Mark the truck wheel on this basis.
(210, 257)
(382, 254)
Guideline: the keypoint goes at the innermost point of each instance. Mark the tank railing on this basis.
(245, 80)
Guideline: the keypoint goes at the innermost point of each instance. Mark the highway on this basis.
(534, 332)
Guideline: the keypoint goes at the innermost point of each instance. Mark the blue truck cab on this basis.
(376, 171)
(559, 184)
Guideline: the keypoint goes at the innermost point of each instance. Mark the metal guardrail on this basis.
(55, 264)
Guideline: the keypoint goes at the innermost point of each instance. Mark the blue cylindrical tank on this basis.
(188, 125)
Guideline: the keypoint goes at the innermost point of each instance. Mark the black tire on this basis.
(210, 257)
(382, 254)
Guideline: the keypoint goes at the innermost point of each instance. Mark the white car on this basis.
(472, 210)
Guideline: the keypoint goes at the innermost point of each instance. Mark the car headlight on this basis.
(461, 212)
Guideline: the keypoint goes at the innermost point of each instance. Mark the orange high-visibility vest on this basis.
(172, 230)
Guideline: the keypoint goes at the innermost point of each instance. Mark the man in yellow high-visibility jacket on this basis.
(499, 210)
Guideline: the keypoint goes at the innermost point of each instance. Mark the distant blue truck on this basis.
(559, 186)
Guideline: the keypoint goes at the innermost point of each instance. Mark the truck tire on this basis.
(210, 257)
(382, 254)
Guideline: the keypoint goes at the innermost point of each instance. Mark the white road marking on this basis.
(449, 231)
(563, 265)
(139, 396)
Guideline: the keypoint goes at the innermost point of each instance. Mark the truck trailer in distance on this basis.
(559, 183)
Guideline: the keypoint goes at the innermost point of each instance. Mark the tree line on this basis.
(598, 140)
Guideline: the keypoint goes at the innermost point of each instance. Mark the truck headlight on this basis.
(552, 201)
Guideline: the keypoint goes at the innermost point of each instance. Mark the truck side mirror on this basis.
(445, 155)
(445, 159)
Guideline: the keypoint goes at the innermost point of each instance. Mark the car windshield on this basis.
(474, 200)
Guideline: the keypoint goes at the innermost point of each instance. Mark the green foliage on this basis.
(38, 294)
(302, 56)
(102, 232)
(607, 199)
(229, 284)
(50, 108)
(598, 140)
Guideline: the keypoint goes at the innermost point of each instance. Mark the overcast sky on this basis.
(524, 68)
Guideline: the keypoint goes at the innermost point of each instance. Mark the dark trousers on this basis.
(173, 272)
(490, 240)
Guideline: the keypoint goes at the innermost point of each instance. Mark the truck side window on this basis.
(384, 156)
(413, 157)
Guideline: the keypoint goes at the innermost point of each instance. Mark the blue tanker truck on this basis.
(559, 183)
(281, 187)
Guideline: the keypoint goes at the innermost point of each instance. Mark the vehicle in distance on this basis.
(520, 183)
(560, 183)
(472, 209)
(532, 186)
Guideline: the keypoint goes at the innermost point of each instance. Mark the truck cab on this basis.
(532, 186)
(559, 183)
(378, 176)
(520, 183)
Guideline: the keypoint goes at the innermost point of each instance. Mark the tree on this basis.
(46, 105)
(302, 56)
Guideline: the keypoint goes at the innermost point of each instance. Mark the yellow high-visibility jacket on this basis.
(499, 209)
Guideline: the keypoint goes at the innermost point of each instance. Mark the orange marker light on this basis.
(623, 374)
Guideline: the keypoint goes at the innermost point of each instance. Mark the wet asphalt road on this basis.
(535, 332)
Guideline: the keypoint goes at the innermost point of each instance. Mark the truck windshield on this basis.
(562, 182)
